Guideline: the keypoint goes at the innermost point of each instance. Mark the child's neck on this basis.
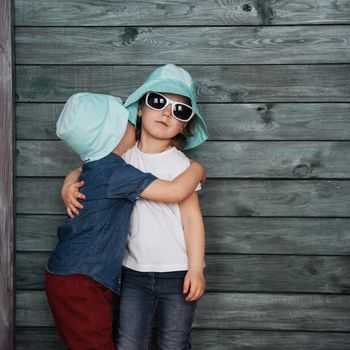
(149, 144)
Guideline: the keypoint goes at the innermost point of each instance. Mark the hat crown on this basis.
(92, 124)
(173, 72)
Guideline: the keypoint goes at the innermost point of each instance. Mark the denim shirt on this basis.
(93, 242)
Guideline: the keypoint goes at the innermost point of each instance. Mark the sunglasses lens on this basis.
(182, 112)
(156, 101)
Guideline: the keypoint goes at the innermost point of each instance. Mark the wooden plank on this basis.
(256, 235)
(7, 126)
(276, 198)
(37, 232)
(37, 120)
(277, 121)
(263, 159)
(54, 157)
(30, 338)
(43, 338)
(265, 121)
(305, 198)
(243, 83)
(235, 273)
(272, 340)
(26, 302)
(264, 273)
(198, 45)
(274, 311)
(250, 311)
(233, 235)
(275, 159)
(46, 191)
(196, 12)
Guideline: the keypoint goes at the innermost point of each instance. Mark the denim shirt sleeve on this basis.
(128, 182)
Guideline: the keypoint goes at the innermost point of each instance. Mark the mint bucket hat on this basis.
(92, 124)
(175, 80)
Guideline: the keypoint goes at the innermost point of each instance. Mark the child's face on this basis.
(161, 124)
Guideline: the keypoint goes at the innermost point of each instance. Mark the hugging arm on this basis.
(70, 192)
(177, 190)
(159, 190)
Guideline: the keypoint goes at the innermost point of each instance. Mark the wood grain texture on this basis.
(276, 198)
(235, 273)
(211, 339)
(295, 159)
(274, 311)
(273, 83)
(198, 45)
(256, 235)
(229, 197)
(182, 12)
(243, 83)
(43, 338)
(227, 235)
(226, 122)
(254, 311)
(37, 233)
(273, 340)
(7, 126)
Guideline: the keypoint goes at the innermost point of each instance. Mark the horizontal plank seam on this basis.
(203, 103)
(216, 216)
(220, 140)
(233, 179)
(281, 293)
(229, 291)
(332, 24)
(222, 216)
(180, 63)
(25, 252)
(214, 329)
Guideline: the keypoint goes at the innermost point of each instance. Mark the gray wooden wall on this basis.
(274, 86)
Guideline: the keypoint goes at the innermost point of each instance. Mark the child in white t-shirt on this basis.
(164, 258)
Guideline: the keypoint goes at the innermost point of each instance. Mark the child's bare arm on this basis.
(70, 192)
(159, 190)
(177, 190)
(194, 283)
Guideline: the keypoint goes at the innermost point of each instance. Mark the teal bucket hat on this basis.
(92, 124)
(174, 80)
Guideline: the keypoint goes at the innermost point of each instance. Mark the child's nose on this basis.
(167, 110)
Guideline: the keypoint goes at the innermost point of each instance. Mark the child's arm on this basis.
(192, 221)
(177, 190)
(159, 190)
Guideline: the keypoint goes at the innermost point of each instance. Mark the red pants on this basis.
(82, 310)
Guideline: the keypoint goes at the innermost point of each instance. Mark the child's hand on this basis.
(194, 285)
(70, 194)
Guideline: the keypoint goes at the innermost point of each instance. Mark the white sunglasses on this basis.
(180, 111)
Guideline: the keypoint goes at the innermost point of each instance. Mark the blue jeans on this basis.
(141, 293)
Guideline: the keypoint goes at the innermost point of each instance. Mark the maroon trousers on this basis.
(82, 310)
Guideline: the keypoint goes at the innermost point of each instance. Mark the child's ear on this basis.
(139, 113)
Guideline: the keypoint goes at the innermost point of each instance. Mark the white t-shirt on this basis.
(156, 241)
